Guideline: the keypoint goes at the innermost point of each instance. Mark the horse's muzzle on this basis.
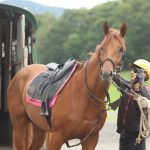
(106, 76)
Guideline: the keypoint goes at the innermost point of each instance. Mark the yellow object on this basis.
(144, 64)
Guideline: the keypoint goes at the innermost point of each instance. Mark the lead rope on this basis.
(144, 106)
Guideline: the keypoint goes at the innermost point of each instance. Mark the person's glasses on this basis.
(135, 70)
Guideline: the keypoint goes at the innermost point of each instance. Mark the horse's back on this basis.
(30, 70)
(18, 83)
(27, 73)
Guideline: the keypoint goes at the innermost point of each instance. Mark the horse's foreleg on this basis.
(38, 138)
(91, 142)
(55, 142)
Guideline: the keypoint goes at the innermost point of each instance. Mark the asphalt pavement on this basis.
(108, 139)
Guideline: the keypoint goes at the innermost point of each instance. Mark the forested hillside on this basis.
(34, 7)
(79, 31)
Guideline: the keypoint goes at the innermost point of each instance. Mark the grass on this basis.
(115, 94)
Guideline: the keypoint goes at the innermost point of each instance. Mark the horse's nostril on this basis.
(107, 74)
(111, 73)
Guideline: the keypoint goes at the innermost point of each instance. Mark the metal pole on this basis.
(10, 49)
(0, 63)
(20, 42)
(7, 65)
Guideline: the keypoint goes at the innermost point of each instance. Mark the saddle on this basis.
(60, 70)
(45, 85)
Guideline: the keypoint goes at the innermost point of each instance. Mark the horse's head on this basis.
(111, 51)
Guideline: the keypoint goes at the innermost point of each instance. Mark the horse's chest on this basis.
(87, 125)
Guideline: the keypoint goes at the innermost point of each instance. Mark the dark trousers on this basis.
(128, 143)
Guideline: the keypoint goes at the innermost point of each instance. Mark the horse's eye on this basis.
(102, 49)
(121, 49)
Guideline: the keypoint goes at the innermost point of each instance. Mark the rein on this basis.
(95, 99)
(89, 133)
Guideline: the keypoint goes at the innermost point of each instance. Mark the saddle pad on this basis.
(42, 89)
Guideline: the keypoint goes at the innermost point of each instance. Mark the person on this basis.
(128, 120)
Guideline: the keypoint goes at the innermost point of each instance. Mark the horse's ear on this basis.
(106, 27)
(123, 29)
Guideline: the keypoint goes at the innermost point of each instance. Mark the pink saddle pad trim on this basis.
(37, 102)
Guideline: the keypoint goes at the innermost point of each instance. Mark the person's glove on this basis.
(141, 76)
(123, 84)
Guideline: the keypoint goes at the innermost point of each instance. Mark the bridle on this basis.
(116, 68)
(96, 99)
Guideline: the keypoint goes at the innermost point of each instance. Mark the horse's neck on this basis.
(93, 77)
(92, 71)
(94, 85)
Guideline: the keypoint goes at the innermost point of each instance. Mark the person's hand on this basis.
(140, 76)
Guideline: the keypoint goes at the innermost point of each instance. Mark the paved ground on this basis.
(108, 139)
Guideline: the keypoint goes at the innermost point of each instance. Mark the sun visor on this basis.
(132, 65)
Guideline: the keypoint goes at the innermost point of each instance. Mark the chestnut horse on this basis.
(80, 107)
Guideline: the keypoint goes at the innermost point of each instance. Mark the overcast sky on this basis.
(71, 3)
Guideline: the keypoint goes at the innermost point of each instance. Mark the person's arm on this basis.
(144, 92)
(122, 83)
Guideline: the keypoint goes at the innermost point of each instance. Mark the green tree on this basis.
(78, 31)
(45, 23)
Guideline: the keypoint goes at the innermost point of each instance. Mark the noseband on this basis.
(107, 59)
(116, 68)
